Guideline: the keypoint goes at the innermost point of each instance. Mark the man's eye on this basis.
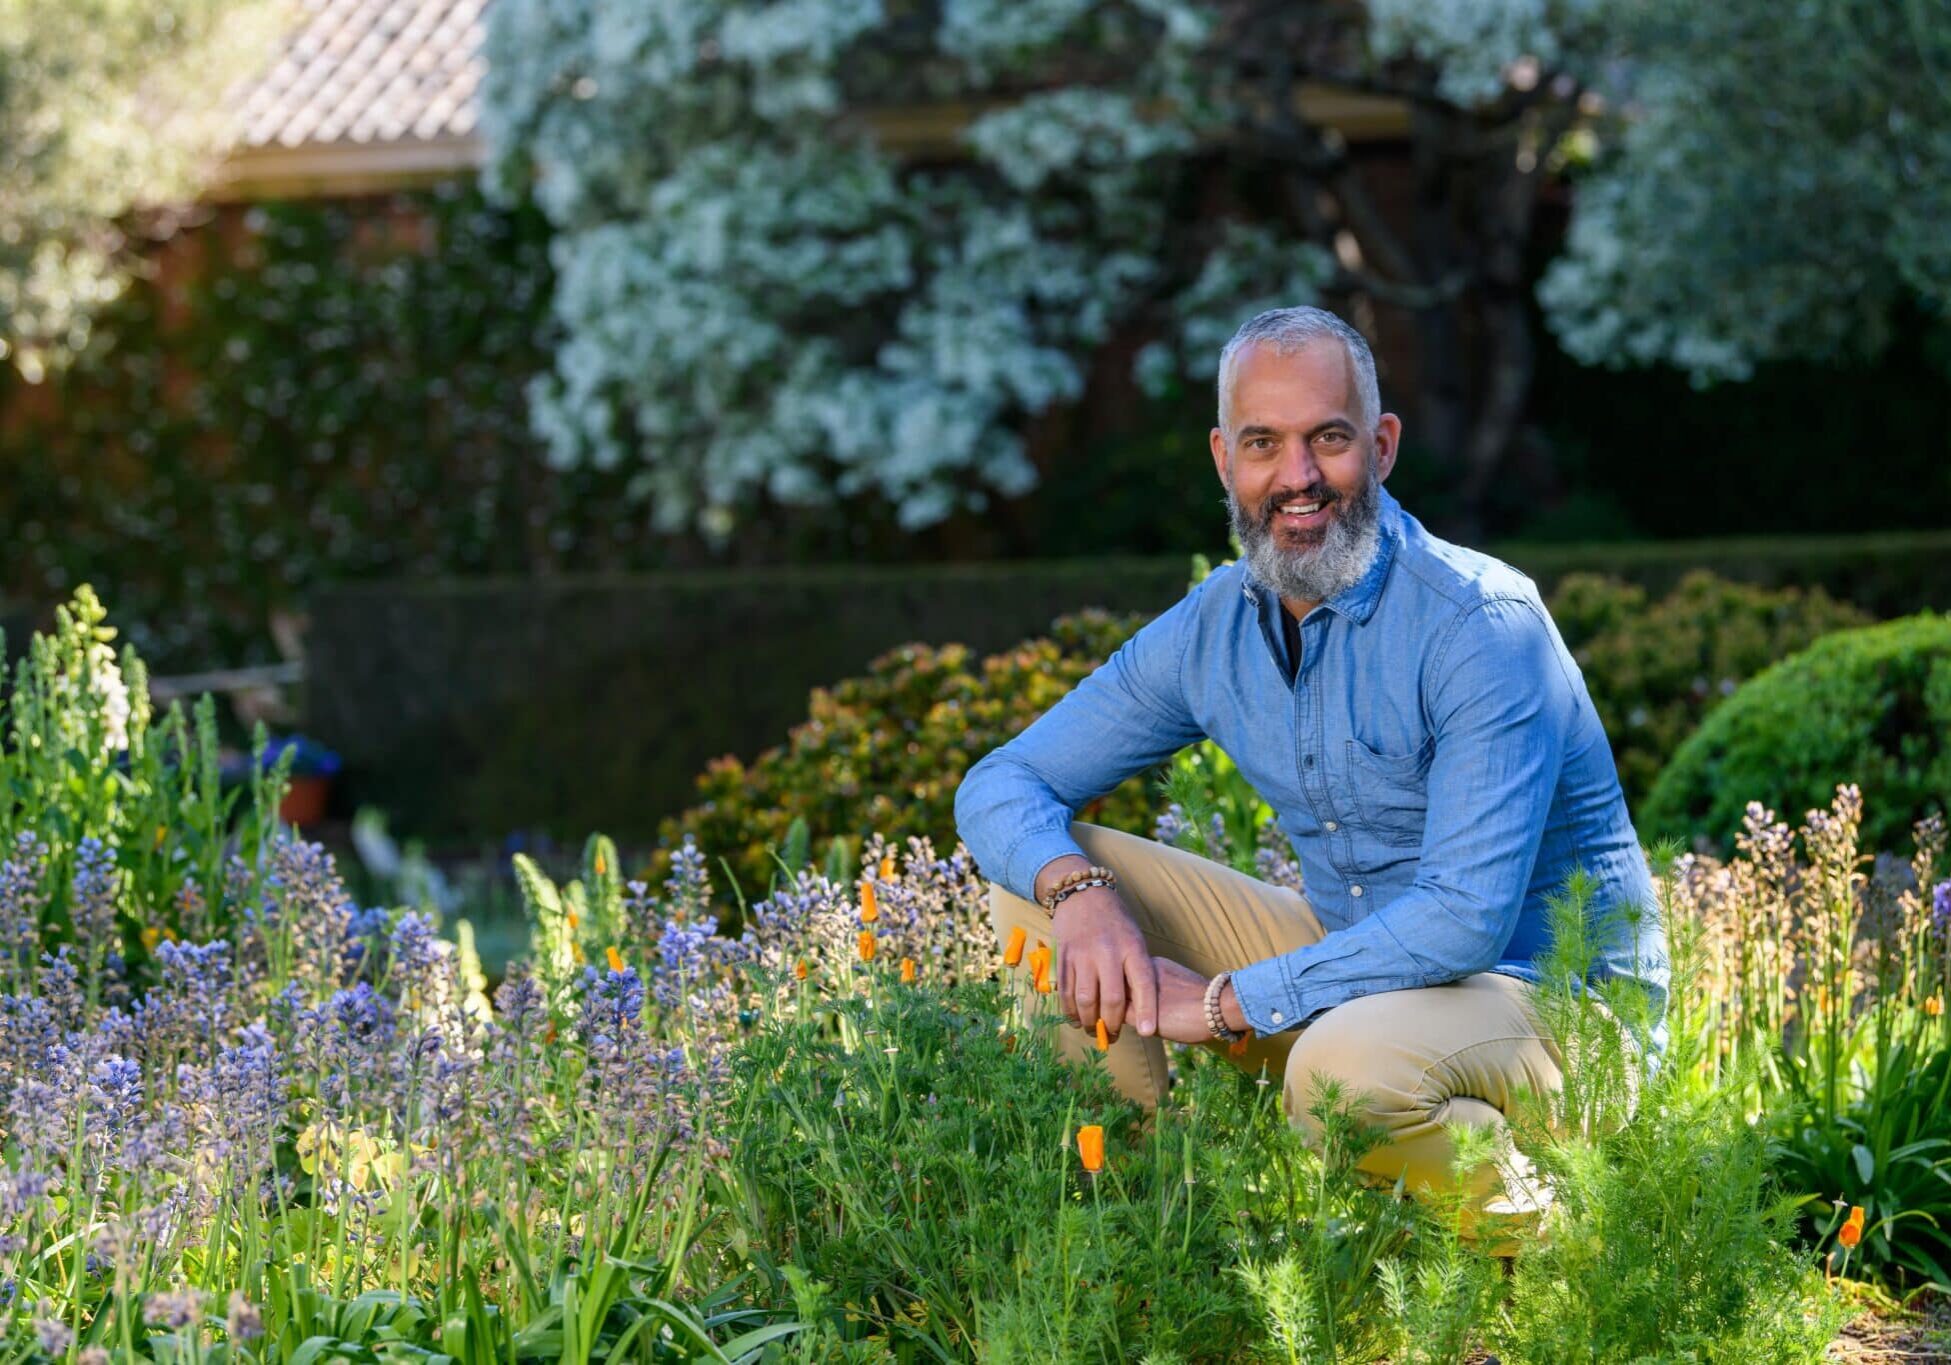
(1332, 437)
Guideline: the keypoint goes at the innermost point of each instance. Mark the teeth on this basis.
(1302, 509)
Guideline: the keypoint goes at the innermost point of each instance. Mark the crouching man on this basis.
(1410, 712)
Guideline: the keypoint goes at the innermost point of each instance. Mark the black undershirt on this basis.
(1290, 634)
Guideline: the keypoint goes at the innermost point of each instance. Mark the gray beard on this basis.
(1317, 573)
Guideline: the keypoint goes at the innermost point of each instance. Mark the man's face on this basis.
(1300, 472)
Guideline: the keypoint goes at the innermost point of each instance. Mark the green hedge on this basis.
(477, 707)
(1871, 706)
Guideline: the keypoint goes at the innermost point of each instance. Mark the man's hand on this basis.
(1182, 1003)
(1105, 970)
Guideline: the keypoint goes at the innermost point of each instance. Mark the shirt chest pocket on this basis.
(1391, 791)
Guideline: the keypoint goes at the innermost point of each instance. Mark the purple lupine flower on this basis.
(303, 879)
(21, 896)
(254, 1093)
(613, 1002)
(53, 1335)
(174, 1309)
(60, 987)
(114, 1095)
(1170, 826)
(688, 888)
(192, 1007)
(639, 913)
(243, 1322)
(1941, 909)
(97, 885)
(414, 955)
(684, 957)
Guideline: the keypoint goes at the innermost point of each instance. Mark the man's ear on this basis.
(1217, 440)
(1388, 440)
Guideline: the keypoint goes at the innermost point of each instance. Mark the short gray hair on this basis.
(1287, 330)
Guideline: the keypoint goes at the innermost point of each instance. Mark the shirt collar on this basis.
(1357, 601)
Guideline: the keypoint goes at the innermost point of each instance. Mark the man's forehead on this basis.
(1307, 386)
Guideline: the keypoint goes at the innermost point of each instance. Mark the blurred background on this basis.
(517, 405)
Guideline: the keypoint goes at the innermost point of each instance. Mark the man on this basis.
(1427, 743)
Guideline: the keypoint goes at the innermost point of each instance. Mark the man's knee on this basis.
(1349, 1061)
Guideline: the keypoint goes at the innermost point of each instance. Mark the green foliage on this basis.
(1655, 669)
(884, 752)
(1666, 1237)
(105, 107)
(121, 820)
(337, 397)
(1869, 706)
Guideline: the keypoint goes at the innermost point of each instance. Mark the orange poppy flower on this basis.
(616, 959)
(907, 971)
(1013, 953)
(1934, 1005)
(870, 908)
(1040, 969)
(573, 918)
(799, 970)
(887, 868)
(1852, 1230)
(866, 945)
(1237, 1048)
(1103, 1037)
(1090, 1146)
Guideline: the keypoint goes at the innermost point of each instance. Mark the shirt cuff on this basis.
(1264, 997)
(1038, 850)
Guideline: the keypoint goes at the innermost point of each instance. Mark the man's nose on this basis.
(1297, 464)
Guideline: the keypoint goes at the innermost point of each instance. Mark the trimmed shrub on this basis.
(886, 751)
(1869, 706)
(1656, 670)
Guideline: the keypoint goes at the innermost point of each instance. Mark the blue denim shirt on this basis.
(1436, 763)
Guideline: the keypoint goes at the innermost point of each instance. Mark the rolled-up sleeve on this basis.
(1014, 808)
(1500, 705)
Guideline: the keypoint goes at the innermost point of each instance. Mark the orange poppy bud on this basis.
(616, 959)
(1013, 953)
(907, 971)
(1934, 1005)
(866, 945)
(549, 1037)
(1237, 1048)
(1852, 1230)
(1040, 968)
(799, 970)
(1103, 1037)
(1090, 1146)
(887, 868)
(870, 909)
(574, 919)
(601, 866)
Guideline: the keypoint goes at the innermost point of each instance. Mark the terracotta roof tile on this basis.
(371, 72)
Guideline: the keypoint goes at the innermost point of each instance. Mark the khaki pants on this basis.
(1419, 1059)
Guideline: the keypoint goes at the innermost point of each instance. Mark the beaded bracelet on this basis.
(1076, 881)
(1057, 898)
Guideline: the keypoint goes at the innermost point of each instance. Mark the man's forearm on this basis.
(1057, 869)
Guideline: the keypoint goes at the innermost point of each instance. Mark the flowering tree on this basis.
(841, 247)
(1777, 183)
(104, 106)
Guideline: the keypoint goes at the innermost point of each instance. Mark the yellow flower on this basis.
(162, 832)
(1013, 954)
(907, 971)
(574, 919)
(865, 943)
(1090, 1146)
(870, 909)
(1934, 1005)
(616, 959)
(601, 866)
(151, 937)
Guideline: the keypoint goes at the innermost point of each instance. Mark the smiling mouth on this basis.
(1299, 512)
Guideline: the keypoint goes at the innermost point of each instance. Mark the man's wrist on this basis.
(1055, 871)
(1229, 1009)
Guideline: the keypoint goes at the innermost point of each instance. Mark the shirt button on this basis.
(1276, 1016)
(1355, 890)
(1332, 827)
(1309, 760)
